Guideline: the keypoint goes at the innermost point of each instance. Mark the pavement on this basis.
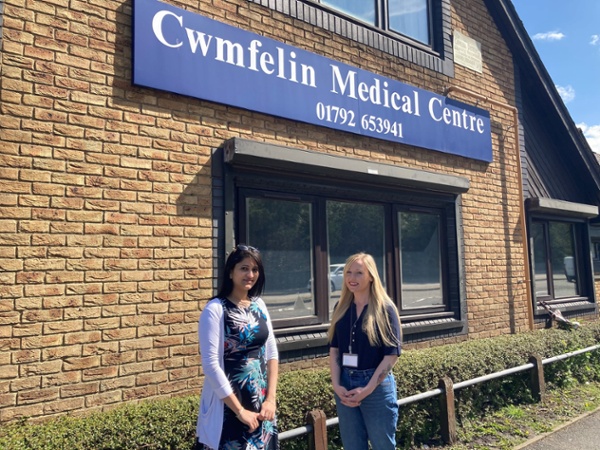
(581, 433)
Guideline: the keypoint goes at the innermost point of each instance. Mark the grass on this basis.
(515, 424)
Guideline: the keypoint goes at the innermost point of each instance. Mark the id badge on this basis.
(350, 360)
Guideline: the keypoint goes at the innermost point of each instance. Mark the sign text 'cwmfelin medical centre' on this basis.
(186, 53)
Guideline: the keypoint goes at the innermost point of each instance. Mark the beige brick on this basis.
(41, 368)
(151, 378)
(80, 389)
(41, 341)
(116, 359)
(119, 334)
(43, 315)
(83, 338)
(152, 354)
(19, 412)
(136, 344)
(61, 352)
(82, 313)
(105, 398)
(168, 363)
(168, 341)
(62, 406)
(100, 348)
(117, 383)
(100, 373)
(25, 356)
(11, 265)
(9, 372)
(44, 290)
(139, 393)
(33, 329)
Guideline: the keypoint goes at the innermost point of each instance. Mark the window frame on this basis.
(240, 159)
(445, 258)
(381, 11)
(260, 184)
(584, 298)
(552, 210)
(438, 56)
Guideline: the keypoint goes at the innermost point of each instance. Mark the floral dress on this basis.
(246, 333)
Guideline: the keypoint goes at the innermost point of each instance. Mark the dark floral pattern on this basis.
(246, 333)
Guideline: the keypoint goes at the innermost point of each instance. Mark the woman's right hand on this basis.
(249, 418)
(340, 391)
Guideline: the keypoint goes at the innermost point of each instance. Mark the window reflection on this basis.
(353, 228)
(562, 248)
(410, 18)
(539, 260)
(363, 10)
(421, 260)
(281, 230)
(555, 262)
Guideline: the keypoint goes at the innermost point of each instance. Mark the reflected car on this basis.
(336, 277)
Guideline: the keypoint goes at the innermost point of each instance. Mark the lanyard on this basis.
(352, 327)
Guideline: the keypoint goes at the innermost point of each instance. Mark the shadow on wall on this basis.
(196, 198)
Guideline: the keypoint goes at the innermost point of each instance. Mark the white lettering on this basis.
(234, 53)
(337, 80)
(459, 119)
(227, 47)
(254, 46)
(199, 39)
(266, 62)
(157, 27)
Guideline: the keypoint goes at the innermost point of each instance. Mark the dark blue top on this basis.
(348, 327)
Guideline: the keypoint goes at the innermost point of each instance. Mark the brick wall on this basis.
(105, 199)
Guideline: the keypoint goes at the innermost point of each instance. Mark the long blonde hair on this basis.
(376, 317)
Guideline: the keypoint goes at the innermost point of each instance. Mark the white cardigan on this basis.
(211, 335)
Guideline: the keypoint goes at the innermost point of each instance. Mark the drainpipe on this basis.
(515, 112)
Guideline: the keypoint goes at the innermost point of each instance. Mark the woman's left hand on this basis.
(267, 410)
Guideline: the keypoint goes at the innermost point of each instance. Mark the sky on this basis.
(566, 35)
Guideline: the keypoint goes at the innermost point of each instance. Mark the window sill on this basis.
(569, 308)
(412, 331)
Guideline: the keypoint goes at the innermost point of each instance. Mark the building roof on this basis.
(529, 61)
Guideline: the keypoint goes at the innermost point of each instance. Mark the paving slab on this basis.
(581, 433)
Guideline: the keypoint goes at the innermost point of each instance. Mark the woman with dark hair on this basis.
(239, 360)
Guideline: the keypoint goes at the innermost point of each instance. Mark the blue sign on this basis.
(186, 53)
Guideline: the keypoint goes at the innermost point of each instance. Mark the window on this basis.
(556, 260)
(421, 262)
(596, 257)
(409, 18)
(417, 31)
(306, 231)
(308, 211)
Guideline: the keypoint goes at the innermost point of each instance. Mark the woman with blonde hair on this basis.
(364, 344)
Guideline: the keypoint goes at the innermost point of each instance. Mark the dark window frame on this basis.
(551, 210)
(437, 57)
(381, 10)
(251, 185)
(262, 164)
(584, 298)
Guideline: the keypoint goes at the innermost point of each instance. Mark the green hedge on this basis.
(170, 424)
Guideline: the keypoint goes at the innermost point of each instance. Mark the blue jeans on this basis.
(375, 419)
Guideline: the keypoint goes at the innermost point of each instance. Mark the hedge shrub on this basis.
(170, 424)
